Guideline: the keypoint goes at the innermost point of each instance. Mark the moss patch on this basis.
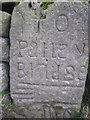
(46, 4)
(59, 108)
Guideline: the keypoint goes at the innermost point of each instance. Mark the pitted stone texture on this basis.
(4, 24)
(4, 49)
(48, 59)
(4, 76)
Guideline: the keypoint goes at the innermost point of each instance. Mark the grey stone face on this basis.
(4, 49)
(4, 76)
(49, 58)
(4, 24)
(3, 83)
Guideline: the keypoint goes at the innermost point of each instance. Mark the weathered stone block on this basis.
(4, 76)
(49, 58)
(4, 24)
(4, 79)
(4, 49)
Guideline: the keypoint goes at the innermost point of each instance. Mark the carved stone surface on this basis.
(4, 49)
(4, 24)
(49, 58)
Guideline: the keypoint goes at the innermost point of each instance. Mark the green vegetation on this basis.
(59, 108)
(16, 3)
(46, 4)
(5, 104)
(85, 107)
(4, 93)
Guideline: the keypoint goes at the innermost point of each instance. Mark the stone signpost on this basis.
(49, 58)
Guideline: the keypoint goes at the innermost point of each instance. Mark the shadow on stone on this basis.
(8, 7)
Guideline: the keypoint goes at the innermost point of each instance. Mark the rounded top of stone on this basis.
(4, 13)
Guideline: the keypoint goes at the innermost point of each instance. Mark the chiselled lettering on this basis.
(22, 46)
(81, 74)
(48, 57)
(21, 70)
(33, 49)
(55, 72)
(69, 73)
(44, 49)
(80, 49)
(62, 23)
(62, 51)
